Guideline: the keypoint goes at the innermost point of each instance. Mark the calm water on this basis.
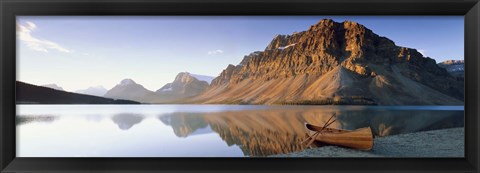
(203, 130)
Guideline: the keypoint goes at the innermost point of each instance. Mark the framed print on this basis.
(186, 86)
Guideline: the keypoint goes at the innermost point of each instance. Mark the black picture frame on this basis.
(11, 8)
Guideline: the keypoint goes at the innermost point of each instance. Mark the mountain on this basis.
(205, 78)
(32, 94)
(129, 90)
(335, 63)
(53, 86)
(185, 85)
(454, 67)
(94, 91)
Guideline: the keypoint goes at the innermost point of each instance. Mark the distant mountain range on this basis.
(184, 85)
(454, 67)
(94, 91)
(330, 63)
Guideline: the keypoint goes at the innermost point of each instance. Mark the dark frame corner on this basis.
(10, 8)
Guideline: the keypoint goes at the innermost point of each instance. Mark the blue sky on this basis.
(83, 51)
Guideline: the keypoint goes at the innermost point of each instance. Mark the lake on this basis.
(204, 130)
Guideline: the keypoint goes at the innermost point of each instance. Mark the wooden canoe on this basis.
(361, 139)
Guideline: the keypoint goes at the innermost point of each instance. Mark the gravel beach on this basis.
(435, 143)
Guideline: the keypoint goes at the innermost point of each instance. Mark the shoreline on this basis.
(435, 143)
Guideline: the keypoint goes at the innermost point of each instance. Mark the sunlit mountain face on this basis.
(345, 63)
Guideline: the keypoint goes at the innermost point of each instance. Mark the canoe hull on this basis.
(361, 139)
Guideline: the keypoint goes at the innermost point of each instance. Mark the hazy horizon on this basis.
(80, 52)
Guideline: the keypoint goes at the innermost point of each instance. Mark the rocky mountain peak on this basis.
(184, 85)
(353, 25)
(226, 75)
(128, 89)
(127, 82)
(183, 77)
(324, 47)
(322, 24)
(278, 41)
(247, 58)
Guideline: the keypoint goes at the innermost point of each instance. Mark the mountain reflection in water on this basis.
(185, 124)
(275, 131)
(204, 130)
(125, 121)
(25, 119)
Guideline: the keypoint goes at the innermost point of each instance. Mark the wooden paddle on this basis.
(312, 138)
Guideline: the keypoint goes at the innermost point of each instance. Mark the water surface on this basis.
(204, 130)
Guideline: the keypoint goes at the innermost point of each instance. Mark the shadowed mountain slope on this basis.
(32, 94)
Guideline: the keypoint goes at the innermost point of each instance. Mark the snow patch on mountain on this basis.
(290, 45)
(169, 87)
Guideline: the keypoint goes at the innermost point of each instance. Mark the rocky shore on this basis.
(435, 143)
